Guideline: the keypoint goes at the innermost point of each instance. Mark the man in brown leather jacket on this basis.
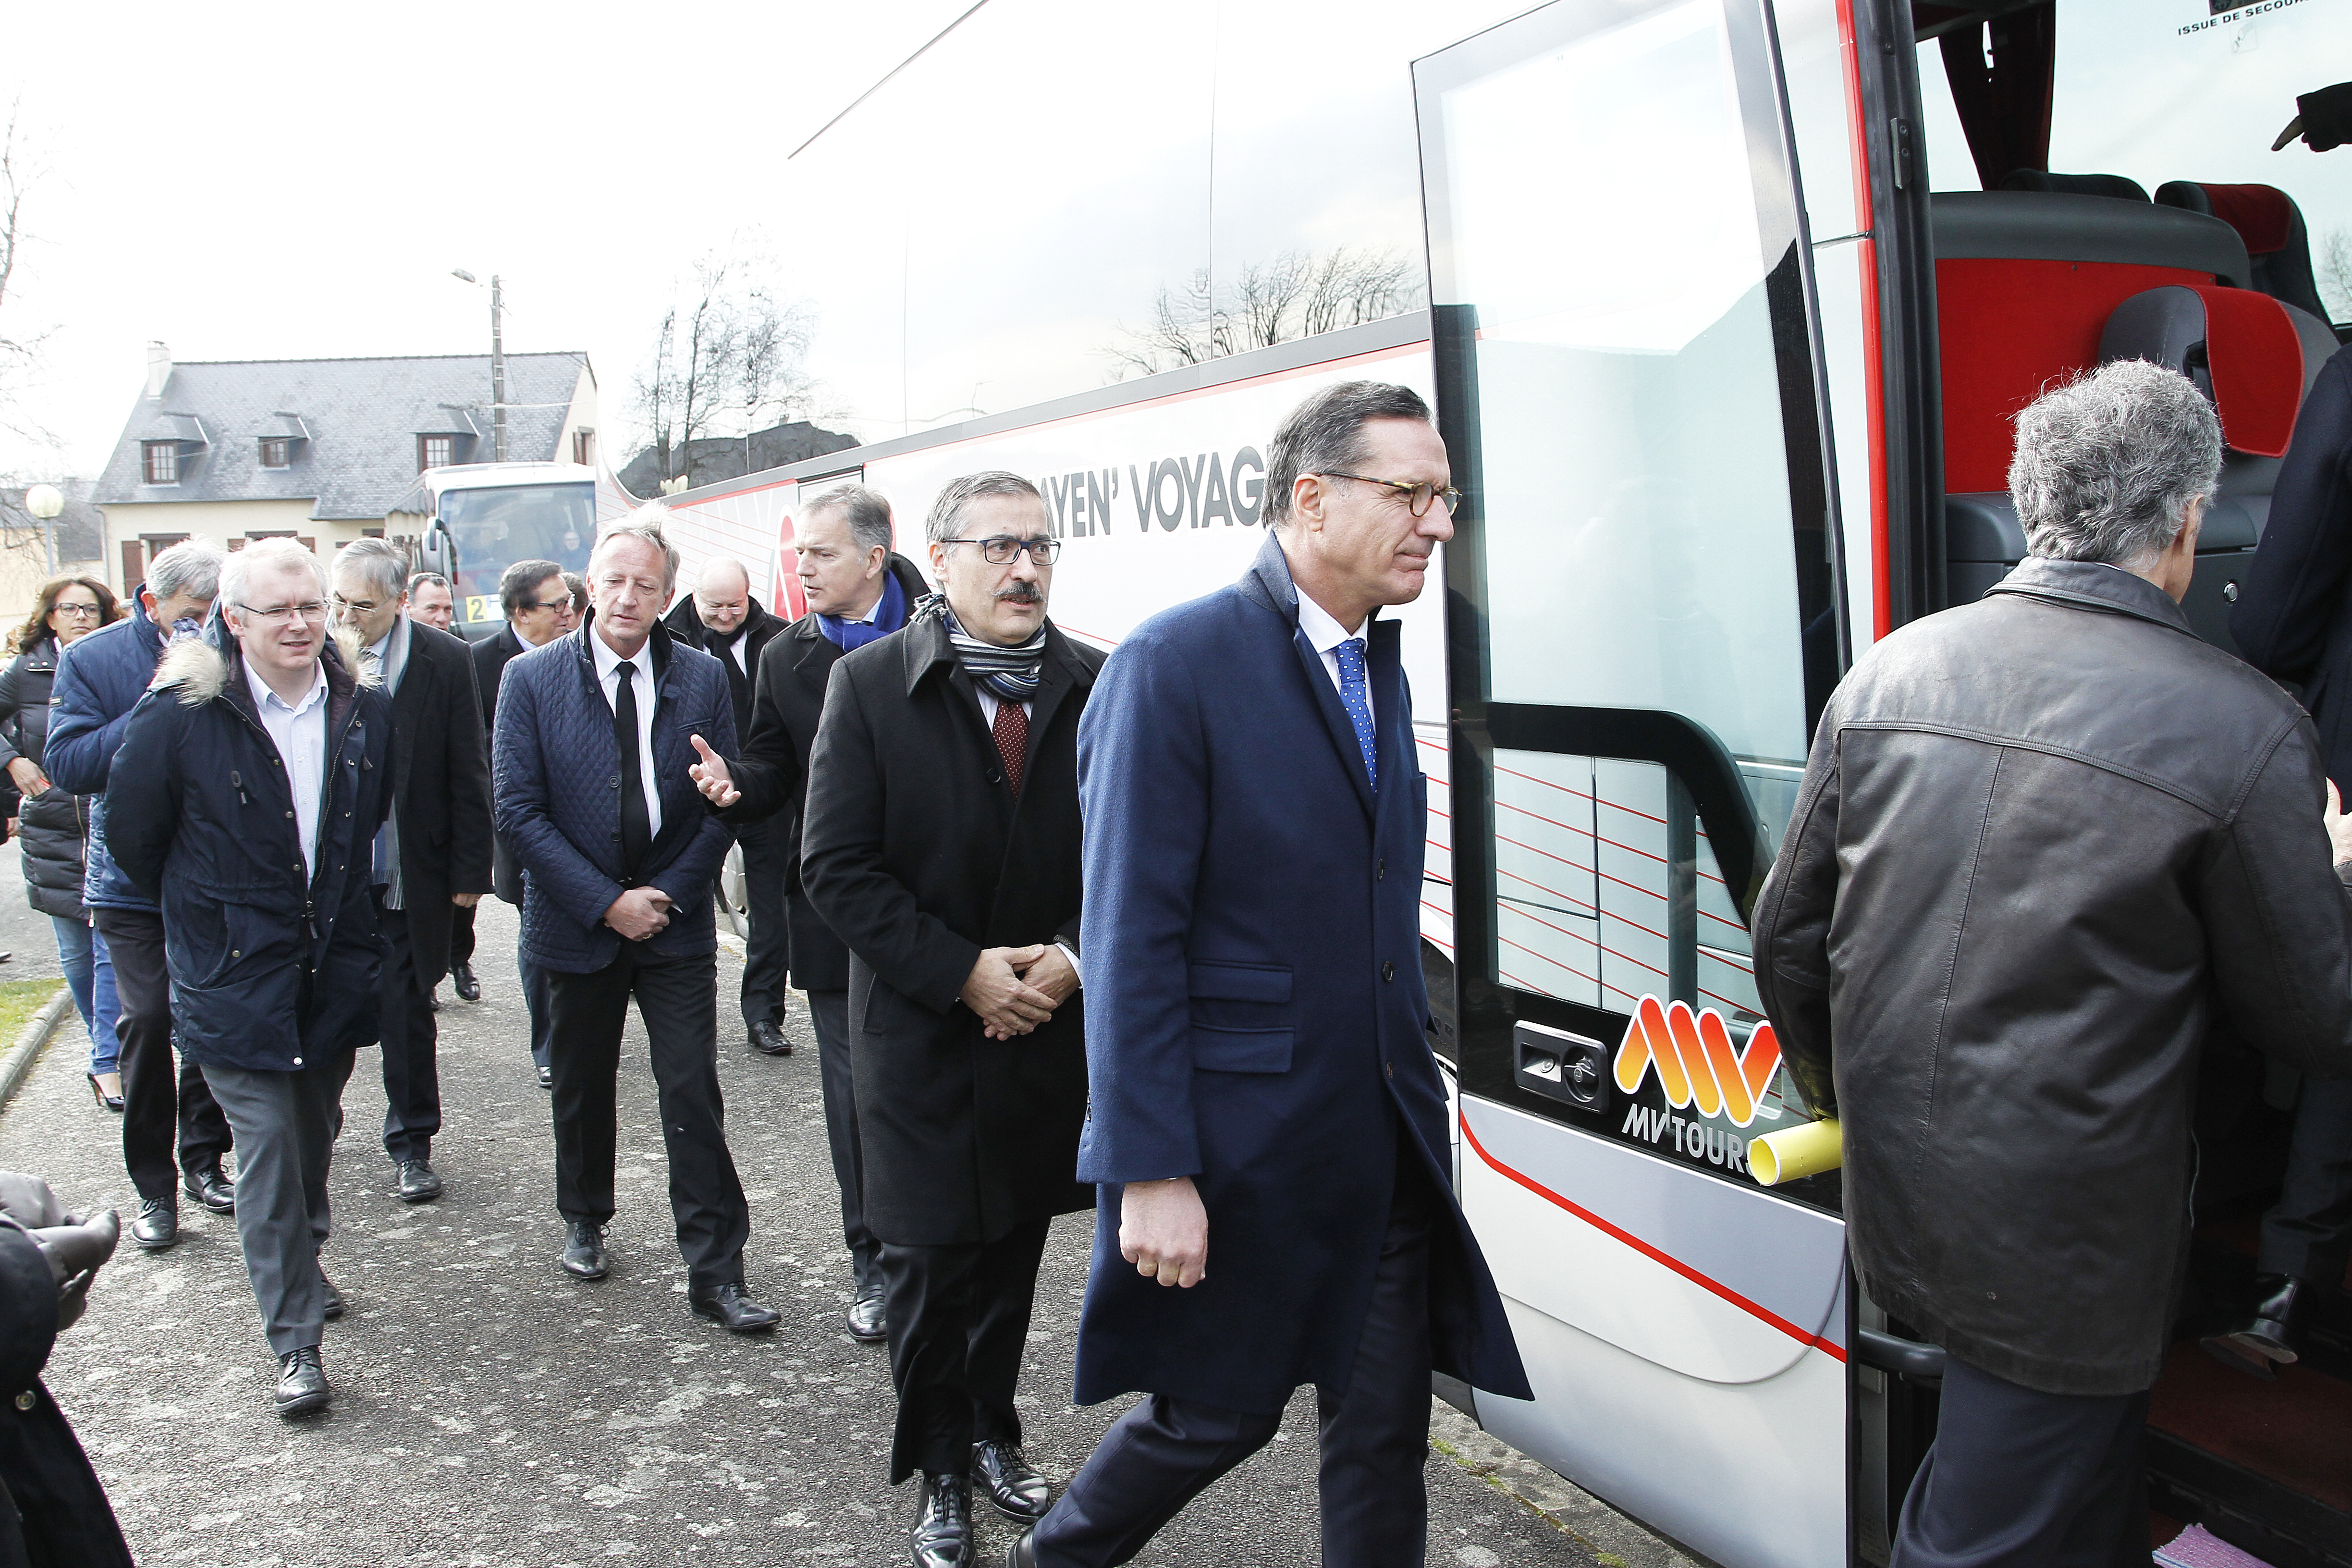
(2045, 841)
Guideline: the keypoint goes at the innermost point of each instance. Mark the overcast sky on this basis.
(264, 182)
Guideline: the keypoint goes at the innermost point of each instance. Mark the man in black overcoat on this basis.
(433, 857)
(941, 843)
(538, 609)
(53, 1511)
(722, 619)
(858, 591)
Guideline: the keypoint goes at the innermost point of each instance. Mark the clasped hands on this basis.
(76, 1248)
(1014, 989)
(639, 913)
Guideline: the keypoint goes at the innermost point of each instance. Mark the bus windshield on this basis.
(496, 526)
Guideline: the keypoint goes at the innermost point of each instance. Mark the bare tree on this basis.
(2335, 270)
(657, 393)
(19, 350)
(771, 357)
(729, 348)
(1268, 294)
(1350, 286)
(1186, 328)
(1295, 295)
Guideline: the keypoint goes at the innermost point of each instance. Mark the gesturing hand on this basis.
(2338, 826)
(711, 777)
(639, 913)
(1163, 1230)
(1006, 1004)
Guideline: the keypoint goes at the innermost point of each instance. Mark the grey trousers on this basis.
(829, 1011)
(286, 1124)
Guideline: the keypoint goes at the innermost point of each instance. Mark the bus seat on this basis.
(2116, 187)
(2269, 222)
(2240, 348)
(2025, 281)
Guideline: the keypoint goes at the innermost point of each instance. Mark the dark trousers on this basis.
(678, 1001)
(764, 955)
(461, 935)
(959, 1319)
(2020, 1478)
(539, 997)
(287, 1123)
(2309, 1233)
(829, 1011)
(156, 1098)
(412, 1077)
(1374, 1437)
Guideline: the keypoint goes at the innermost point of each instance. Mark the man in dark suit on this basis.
(942, 844)
(1256, 1049)
(432, 854)
(858, 590)
(720, 619)
(538, 610)
(592, 792)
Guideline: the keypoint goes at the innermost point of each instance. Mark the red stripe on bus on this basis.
(1761, 1314)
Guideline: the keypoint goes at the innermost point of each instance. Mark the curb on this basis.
(28, 1048)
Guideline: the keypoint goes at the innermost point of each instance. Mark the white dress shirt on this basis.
(1324, 635)
(299, 734)
(643, 684)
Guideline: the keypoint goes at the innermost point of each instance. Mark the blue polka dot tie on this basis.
(1357, 698)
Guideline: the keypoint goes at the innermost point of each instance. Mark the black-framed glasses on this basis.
(1417, 497)
(1003, 549)
(563, 604)
(77, 611)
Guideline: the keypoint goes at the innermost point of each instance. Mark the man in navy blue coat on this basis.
(1267, 1125)
(595, 733)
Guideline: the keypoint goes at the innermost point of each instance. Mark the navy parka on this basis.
(1255, 1013)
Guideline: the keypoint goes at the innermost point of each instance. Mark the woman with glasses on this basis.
(52, 825)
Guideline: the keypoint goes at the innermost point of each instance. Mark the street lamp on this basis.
(497, 360)
(45, 502)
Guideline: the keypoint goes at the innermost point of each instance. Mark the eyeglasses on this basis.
(563, 604)
(313, 611)
(1003, 549)
(356, 606)
(1417, 497)
(77, 611)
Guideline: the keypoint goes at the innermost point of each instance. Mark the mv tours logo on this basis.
(1698, 1069)
(1204, 490)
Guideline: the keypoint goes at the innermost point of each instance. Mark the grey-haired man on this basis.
(2055, 838)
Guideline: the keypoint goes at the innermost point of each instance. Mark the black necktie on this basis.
(637, 823)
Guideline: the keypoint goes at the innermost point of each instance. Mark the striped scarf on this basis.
(1012, 673)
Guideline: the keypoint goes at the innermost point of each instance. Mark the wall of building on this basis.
(230, 524)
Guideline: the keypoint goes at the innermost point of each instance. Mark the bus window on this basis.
(497, 526)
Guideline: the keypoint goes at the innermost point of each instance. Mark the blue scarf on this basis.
(888, 616)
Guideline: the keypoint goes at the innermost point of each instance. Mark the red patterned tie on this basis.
(1012, 731)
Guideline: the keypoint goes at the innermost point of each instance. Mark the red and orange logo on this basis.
(1697, 1062)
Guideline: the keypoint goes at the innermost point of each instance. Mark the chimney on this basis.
(159, 368)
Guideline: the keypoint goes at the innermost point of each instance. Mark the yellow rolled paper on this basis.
(1795, 1152)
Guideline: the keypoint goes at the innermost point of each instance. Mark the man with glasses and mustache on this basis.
(1265, 1106)
(942, 845)
(538, 610)
(252, 781)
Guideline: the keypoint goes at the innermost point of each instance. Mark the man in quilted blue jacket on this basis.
(595, 732)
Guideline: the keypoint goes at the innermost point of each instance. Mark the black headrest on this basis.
(2113, 185)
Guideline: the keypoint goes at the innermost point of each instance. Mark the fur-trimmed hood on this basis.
(200, 666)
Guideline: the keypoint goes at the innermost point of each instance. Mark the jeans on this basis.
(89, 975)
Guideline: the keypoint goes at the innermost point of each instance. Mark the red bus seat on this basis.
(2269, 222)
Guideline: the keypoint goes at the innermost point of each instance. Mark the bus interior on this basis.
(2053, 252)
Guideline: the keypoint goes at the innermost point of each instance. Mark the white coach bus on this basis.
(1723, 305)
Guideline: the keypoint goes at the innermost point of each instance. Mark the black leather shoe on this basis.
(462, 981)
(210, 1188)
(768, 1038)
(301, 1383)
(731, 1308)
(866, 1321)
(1023, 1552)
(2271, 1332)
(158, 1224)
(333, 1304)
(943, 1537)
(418, 1184)
(547, 1078)
(583, 1251)
(1009, 1483)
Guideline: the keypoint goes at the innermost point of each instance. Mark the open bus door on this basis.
(1643, 622)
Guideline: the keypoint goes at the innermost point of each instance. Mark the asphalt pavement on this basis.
(491, 1411)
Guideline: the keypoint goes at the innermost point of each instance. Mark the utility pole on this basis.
(498, 372)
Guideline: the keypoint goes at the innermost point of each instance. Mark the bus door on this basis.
(1643, 620)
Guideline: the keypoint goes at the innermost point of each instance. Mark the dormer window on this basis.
(276, 451)
(435, 451)
(160, 461)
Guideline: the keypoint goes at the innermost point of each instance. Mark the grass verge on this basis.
(20, 1000)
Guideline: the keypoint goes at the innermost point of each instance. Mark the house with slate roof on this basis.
(318, 450)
